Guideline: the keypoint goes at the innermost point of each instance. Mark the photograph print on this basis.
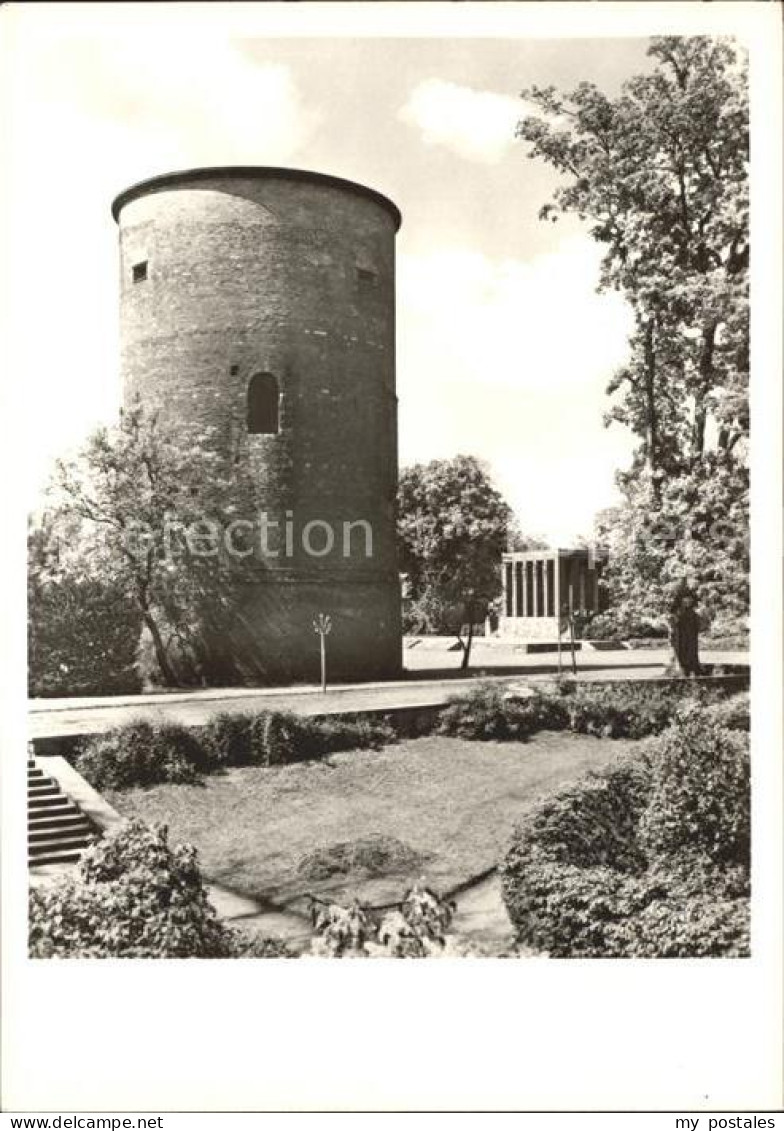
(387, 467)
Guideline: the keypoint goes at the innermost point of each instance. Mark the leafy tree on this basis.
(146, 514)
(136, 896)
(660, 175)
(452, 529)
(82, 630)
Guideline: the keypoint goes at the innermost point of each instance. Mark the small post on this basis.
(560, 630)
(322, 626)
(571, 626)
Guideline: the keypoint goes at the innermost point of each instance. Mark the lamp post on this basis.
(322, 626)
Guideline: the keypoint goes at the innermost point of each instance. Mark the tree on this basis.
(82, 629)
(452, 529)
(146, 514)
(660, 174)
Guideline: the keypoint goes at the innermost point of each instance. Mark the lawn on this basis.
(451, 801)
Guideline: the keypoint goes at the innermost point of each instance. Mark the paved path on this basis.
(51, 718)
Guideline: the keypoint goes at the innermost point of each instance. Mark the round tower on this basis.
(260, 303)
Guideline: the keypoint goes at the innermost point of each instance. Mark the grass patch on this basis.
(450, 801)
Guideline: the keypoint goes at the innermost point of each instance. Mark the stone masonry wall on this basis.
(248, 274)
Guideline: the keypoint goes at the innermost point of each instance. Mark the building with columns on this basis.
(538, 585)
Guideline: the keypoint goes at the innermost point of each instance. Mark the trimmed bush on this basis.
(648, 858)
(734, 713)
(633, 710)
(489, 713)
(142, 753)
(701, 797)
(229, 739)
(573, 912)
(138, 897)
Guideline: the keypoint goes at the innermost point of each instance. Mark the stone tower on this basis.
(260, 302)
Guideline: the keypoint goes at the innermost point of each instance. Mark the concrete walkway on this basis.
(54, 718)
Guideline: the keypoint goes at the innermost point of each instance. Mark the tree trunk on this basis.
(468, 641)
(652, 421)
(684, 641)
(161, 656)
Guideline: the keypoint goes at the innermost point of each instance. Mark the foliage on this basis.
(648, 858)
(147, 509)
(140, 754)
(82, 630)
(247, 945)
(452, 527)
(375, 856)
(660, 173)
(598, 912)
(734, 713)
(489, 712)
(701, 795)
(415, 928)
(138, 897)
(280, 737)
(230, 739)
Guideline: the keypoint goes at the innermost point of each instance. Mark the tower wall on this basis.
(251, 271)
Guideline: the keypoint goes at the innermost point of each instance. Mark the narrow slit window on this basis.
(365, 275)
(140, 271)
(263, 405)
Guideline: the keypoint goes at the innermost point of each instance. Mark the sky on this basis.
(504, 346)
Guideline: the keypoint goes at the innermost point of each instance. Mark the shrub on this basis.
(700, 798)
(376, 856)
(589, 823)
(142, 753)
(414, 928)
(229, 739)
(489, 712)
(648, 858)
(138, 897)
(629, 711)
(286, 738)
(482, 714)
(734, 713)
(573, 912)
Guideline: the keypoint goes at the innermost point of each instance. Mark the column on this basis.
(545, 587)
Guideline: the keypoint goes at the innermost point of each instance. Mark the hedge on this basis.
(142, 753)
(647, 858)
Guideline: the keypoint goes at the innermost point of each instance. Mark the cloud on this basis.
(510, 322)
(476, 124)
(509, 359)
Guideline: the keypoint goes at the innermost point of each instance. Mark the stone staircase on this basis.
(57, 829)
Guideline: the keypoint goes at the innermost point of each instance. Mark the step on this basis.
(56, 857)
(33, 772)
(72, 826)
(41, 818)
(65, 842)
(45, 788)
(48, 801)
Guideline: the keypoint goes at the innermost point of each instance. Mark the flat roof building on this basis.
(540, 587)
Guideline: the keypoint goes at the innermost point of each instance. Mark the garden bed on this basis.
(451, 802)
